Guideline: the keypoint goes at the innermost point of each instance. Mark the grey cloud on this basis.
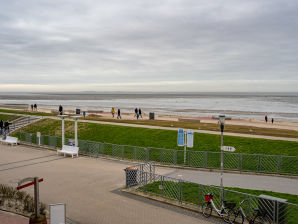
(89, 42)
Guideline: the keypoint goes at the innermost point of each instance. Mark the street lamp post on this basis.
(222, 126)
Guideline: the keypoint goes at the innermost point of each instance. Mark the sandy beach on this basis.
(287, 125)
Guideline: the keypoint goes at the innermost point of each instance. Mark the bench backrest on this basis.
(11, 139)
(69, 148)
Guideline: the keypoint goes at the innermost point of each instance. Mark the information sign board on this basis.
(189, 138)
(58, 214)
(180, 137)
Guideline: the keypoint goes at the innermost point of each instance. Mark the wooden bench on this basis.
(10, 140)
(70, 150)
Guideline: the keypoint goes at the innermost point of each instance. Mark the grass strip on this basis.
(145, 137)
(205, 126)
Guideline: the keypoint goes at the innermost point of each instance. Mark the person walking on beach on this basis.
(35, 107)
(119, 114)
(272, 120)
(266, 118)
(140, 113)
(136, 112)
(113, 112)
(31, 107)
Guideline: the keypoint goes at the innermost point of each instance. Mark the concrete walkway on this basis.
(10, 218)
(256, 182)
(89, 187)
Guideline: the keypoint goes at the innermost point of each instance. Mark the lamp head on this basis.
(222, 119)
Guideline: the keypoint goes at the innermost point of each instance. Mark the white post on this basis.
(76, 133)
(76, 129)
(185, 144)
(63, 136)
(38, 136)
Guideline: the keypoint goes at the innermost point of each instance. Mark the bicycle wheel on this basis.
(262, 220)
(225, 215)
(235, 217)
(206, 209)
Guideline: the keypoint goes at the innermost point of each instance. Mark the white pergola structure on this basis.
(76, 129)
(75, 118)
(62, 118)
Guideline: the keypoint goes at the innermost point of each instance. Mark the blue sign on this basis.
(180, 137)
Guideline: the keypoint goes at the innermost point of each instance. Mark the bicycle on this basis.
(209, 205)
(260, 216)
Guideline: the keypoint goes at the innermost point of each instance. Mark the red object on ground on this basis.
(29, 184)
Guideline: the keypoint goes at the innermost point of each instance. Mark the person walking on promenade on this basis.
(60, 110)
(6, 127)
(140, 113)
(119, 114)
(266, 118)
(272, 120)
(136, 112)
(35, 107)
(1, 127)
(113, 112)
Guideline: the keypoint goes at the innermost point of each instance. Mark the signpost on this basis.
(38, 135)
(185, 139)
(190, 138)
(180, 137)
(228, 148)
(33, 181)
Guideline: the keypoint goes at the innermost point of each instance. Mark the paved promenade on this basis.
(89, 187)
(10, 218)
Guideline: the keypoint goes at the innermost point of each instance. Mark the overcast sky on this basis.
(152, 45)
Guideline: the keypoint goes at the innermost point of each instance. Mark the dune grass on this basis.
(26, 112)
(9, 118)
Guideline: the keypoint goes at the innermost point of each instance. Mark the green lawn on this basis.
(194, 193)
(145, 137)
(5, 117)
(191, 191)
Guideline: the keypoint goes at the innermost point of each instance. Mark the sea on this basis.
(280, 106)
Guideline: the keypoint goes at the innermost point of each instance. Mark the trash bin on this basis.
(131, 176)
(71, 142)
(78, 111)
(274, 207)
(151, 116)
